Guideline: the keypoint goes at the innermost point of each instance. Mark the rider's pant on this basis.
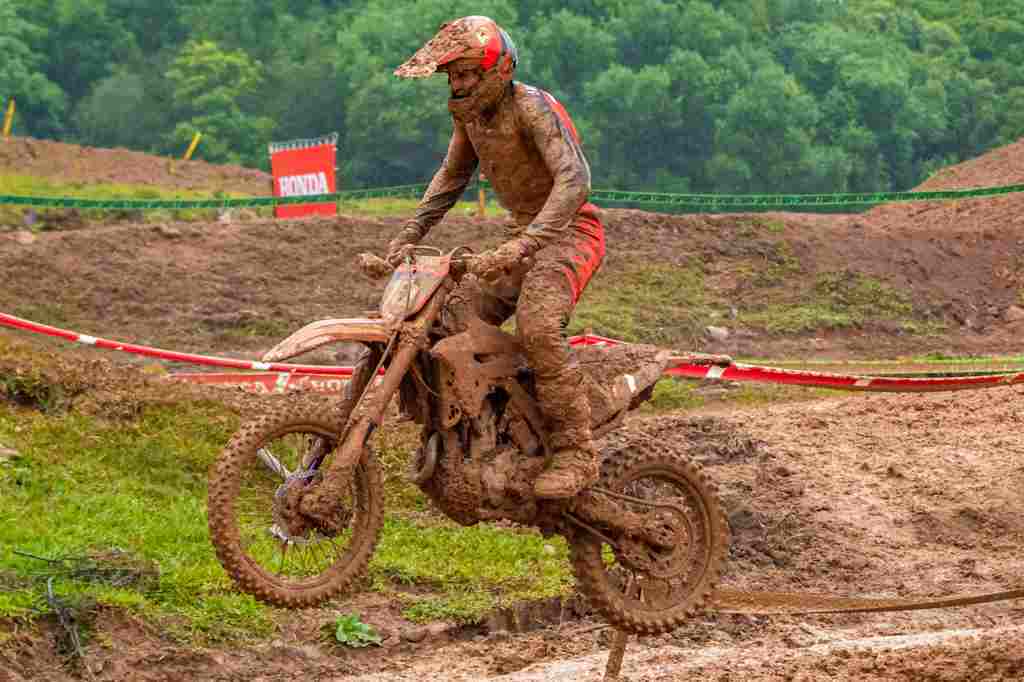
(543, 300)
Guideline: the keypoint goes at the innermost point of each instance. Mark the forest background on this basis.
(733, 96)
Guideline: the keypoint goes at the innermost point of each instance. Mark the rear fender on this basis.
(619, 377)
(323, 332)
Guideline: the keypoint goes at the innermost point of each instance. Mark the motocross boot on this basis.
(574, 465)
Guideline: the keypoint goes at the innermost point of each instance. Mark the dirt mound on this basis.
(1002, 166)
(239, 287)
(69, 163)
(77, 381)
(901, 279)
(961, 223)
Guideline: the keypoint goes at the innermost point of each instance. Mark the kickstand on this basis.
(615, 654)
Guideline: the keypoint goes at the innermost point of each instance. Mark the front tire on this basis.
(290, 565)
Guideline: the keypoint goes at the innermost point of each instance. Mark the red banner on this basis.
(304, 168)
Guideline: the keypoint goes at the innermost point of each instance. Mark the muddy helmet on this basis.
(472, 37)
(468, 38)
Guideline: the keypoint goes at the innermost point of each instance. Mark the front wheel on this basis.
(651, 582)
(261, 537)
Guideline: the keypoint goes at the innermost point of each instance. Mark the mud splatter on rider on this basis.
(529, 149)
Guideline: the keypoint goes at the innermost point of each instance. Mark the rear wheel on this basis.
(654, 580)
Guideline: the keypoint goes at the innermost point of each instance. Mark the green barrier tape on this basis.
(786, 201)
(183, 204)
(697, 202)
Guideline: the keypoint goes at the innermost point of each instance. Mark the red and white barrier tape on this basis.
(320, 377)
(210, 361)
(266, 382)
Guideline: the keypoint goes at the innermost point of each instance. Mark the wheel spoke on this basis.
(273, 463)
(264, 540)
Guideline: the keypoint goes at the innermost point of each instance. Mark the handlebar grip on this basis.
(374, 266)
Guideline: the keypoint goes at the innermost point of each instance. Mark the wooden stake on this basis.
(9, 119)
(615, 655)
(192, 147)
(482, 209)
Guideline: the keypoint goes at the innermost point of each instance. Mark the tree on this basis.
(41, 101)
(395, 135)
(110, 115)
(647, 30)
(1011, 128)
(156, 24)
(632, 112)
(83, 42)
(566, 52)
(765, 139)
(209, 85)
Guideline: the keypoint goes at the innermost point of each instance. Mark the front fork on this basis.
(368, 413)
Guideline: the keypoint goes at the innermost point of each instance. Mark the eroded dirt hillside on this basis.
(70, 163)
(901, 279)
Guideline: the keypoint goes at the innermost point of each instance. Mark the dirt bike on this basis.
(296, 501)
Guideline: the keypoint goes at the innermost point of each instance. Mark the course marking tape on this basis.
(733, 372)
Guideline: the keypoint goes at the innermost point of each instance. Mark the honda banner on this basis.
(304, 168)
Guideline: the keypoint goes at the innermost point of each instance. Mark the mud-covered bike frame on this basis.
(646, 542)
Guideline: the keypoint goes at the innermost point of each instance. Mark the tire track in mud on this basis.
(945, 655)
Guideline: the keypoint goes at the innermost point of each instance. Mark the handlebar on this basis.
(375, 267)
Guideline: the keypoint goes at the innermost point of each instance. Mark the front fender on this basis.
(323, 332)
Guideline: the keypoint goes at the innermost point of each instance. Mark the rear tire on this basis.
(655, 605)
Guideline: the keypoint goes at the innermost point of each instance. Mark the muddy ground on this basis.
(869, 495)
(882, 496)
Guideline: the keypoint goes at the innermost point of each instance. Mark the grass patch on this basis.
(468, 571)
(81, 486)
(394, 446)
(258, 328)
(52, 313)
(840, 300)
(674, 394)
(43, 219)
(773, 225)
(392, 206)
(650, 303)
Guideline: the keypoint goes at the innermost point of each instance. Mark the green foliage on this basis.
(465, 607)
(210, 86)
(41, 102)
(839, 300)
(766, 95)
(138, 486)
(350, 631)
(483, 567)
(82, 485)
(674, 394)
(662, 304)
(110, 111)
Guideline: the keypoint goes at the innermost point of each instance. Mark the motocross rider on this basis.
(528, 148)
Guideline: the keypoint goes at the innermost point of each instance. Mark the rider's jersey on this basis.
(530, 152)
